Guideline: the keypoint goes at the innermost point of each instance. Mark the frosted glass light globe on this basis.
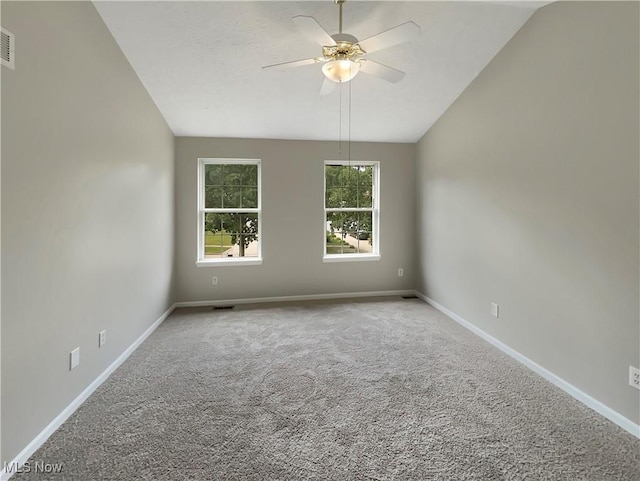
(340, 70)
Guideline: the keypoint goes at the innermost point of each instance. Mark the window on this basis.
(228, 211)
(351, 204)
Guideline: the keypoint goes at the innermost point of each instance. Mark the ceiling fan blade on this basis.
(327, 87)
(313, 30)
(295, 63)
(398, 34)
(383, 71)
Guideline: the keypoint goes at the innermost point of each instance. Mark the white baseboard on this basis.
(310, 297)
(570, 389)
(39, 440)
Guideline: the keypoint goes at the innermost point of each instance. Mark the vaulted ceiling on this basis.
(201, 63)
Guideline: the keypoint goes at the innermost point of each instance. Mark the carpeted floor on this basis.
(355, 390)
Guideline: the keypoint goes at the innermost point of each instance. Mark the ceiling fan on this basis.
(343, 55)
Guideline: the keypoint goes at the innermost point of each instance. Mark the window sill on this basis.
(351, 257)
(236, 261)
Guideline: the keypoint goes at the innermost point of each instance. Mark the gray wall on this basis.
(87, 211)
(528, 197)
(292, 221)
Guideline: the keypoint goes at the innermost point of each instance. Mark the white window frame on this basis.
(374, 209)
(201, 260)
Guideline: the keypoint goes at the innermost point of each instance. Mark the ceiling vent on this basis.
(8, 48)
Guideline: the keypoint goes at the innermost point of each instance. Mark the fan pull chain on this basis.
(350, 124)
(340, 124)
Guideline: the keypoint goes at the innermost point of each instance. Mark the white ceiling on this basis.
(201, 63)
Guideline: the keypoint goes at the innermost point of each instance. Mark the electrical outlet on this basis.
(214, 281)
(102, 338)
(74, 358)
(634, 377)
(495, 310)
(400, 272)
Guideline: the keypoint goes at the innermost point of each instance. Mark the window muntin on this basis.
(229, 210)
(351, 209)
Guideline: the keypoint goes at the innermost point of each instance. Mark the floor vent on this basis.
(222, 308)
(7, 48)
(409, 297)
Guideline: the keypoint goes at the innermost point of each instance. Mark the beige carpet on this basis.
(356, 390)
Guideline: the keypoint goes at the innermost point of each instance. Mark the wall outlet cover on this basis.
(74, 358)
(634, 377)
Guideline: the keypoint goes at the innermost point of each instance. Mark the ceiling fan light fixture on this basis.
(342, 70)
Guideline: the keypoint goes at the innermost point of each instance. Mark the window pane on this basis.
(333, 197)
(365, 221)
(213, 174)
(232, 174)
(232, 197)
(334, 221)
(340, 233)
(212, 222)
(212, 244)
(249, 223)
(365, 186)
(365, 198)
(350, 175)
(363, 233)
(249, 177)
(336, 243)
(249, 197)
(349, 198)
(244, 236)
(212, 197)
(216, 240)
(230, 223)
(333, 175)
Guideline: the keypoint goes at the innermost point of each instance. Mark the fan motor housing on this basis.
(346, 48)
